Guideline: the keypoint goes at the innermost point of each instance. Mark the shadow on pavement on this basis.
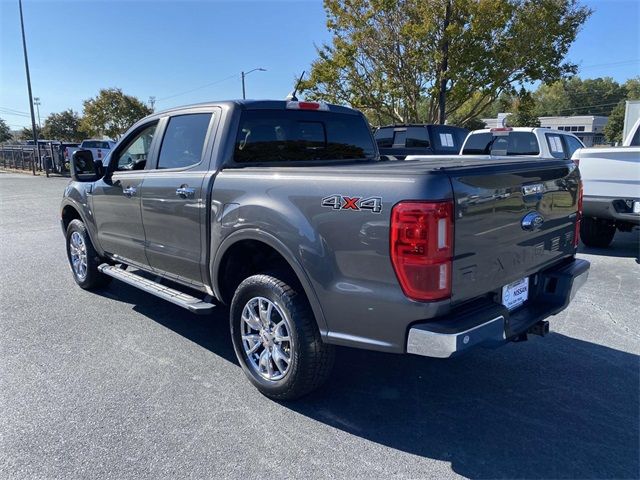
(549, 408)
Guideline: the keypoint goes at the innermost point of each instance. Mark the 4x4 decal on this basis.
(343, 202)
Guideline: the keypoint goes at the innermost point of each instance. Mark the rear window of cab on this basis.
(299, 136)
(515, 143)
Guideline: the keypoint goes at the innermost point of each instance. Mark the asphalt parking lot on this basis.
(118, 384)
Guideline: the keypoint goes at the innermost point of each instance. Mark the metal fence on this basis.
(49, 158)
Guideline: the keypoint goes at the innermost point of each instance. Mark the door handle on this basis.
(185, 192)
(130, 191)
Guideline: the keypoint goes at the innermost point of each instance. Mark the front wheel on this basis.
(83, 258)
(276, 338)
(596, 232)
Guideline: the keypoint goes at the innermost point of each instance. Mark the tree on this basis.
(5, 131)
(592, 96)
(615, 125)
(63, 126)
(111, 113)
(523, 114)
(27, 134)
(389, 56)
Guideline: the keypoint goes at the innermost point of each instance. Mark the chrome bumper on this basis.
(442, 345)
(495, 324)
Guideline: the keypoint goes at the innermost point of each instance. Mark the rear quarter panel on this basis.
(344, 253)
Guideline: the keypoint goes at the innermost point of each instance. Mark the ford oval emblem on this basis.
(532, 221)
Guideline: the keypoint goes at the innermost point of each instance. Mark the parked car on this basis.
(398, 141)
(284, 211)
(525, 141)
(611, 179)
(99, 148)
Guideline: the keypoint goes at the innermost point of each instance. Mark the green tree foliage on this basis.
(632, 86)
(5, 131)
(615, 125)
(63, 126)
(111, 113)
(27, 134)
(394, 58)
(523, 114)
(592, 96)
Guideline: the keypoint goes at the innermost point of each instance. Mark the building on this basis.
(588, 128)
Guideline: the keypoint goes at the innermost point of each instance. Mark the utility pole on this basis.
(36, 102)
(243, 74)
(33, 117)
(152, 103)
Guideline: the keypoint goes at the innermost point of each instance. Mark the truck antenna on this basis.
(292, 96)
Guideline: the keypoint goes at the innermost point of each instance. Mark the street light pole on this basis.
(36, 102)
(243, 74)
(33, 117)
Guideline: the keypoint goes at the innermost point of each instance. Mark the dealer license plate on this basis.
(516, 293)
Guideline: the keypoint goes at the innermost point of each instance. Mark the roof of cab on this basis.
(252, 105)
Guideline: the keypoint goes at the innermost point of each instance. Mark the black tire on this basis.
(311, 359)
(93, 278)
(595, 232)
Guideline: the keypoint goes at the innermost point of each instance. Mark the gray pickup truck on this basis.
(284, 211)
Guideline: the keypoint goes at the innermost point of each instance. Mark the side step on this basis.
(177, 297)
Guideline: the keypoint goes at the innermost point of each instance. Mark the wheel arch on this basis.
(70, 211)
(241, 242)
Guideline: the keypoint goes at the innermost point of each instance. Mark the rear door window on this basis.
(556, 146)
(299, 136)
(417, 137)
(573, 144)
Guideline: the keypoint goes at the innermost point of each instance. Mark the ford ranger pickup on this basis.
(285, 212)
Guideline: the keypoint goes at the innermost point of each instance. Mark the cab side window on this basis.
(555, 146)
(183, 140)
(573, 144)
(135, 153)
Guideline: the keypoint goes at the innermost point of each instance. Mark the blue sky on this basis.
(169, 49)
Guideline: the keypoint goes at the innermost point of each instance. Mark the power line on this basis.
(196, 88)
(13, 110)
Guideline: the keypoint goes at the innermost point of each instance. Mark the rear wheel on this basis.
(276, 338)
(83, 258)
(596, 232)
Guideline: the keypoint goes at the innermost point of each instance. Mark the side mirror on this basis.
(84, 168)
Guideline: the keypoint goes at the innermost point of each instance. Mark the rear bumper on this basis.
(610, 209)
(492, 324)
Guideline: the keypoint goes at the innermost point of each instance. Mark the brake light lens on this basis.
(422, 248)
(308, 106)
(576, 233)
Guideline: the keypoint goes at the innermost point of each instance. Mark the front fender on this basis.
(79, 201)
(280, 247)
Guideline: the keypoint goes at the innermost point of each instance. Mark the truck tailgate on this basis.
(493, 245)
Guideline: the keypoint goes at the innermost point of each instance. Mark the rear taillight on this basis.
(99, 153)
(422, 248)
(576, 233)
